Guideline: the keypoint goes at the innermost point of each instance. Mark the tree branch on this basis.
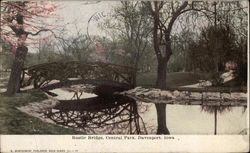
(42, 30)
(175, 16)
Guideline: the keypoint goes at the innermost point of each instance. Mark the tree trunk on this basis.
(16, 70)
(161, 108)
(161, 74)
(161, 84)
(161, 119)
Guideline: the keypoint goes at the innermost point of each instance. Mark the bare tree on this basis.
(132, 28)
(164, 14)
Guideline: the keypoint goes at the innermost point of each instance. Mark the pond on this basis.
(122, 115)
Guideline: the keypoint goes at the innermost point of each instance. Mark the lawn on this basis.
(174, 80)
(13, 121)
(3, 79)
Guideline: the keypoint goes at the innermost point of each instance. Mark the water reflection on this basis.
(99, 115)
(123, 115)
(161, 119)
(214, 110)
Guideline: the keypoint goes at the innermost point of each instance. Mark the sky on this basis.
(79, 13)
(75, 15)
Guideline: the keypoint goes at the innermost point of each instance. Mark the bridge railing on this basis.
(42, 74)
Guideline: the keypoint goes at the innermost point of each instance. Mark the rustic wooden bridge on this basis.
(94, 73)
(112, 78)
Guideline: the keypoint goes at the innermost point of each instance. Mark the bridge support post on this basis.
(161, 119)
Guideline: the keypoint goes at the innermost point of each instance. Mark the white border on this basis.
(180, 143)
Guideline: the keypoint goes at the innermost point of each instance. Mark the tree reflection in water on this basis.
(161, 119)
(215, 110)
(115, 114)
(99, 115)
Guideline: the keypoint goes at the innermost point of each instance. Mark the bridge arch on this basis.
(87, 72)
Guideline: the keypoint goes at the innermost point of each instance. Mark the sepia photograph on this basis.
(120, 70)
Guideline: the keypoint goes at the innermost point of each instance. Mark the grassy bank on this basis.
(4, 79)
(174, 80)
(13, 121)
(177, 79)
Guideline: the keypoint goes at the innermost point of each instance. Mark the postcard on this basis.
(124, 76)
